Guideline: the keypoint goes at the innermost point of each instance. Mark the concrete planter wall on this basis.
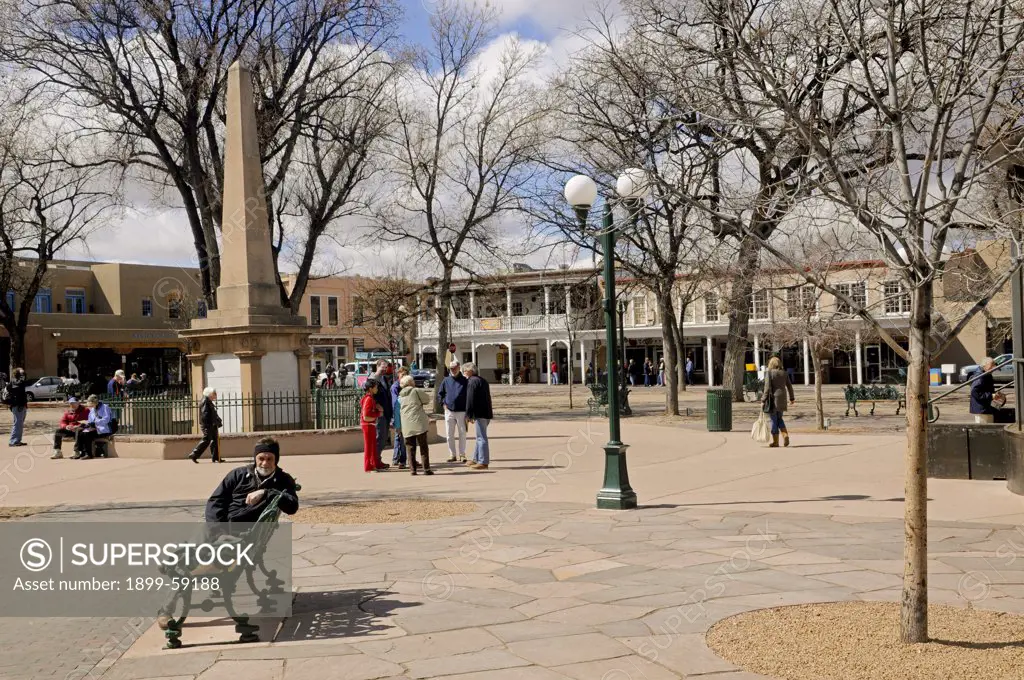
(293, 443)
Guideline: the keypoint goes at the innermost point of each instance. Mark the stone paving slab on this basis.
(375, 611)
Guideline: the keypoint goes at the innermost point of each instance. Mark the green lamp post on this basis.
(581, 193)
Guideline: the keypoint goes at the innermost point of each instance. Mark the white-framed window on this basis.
(856, 291)
(897, 299)
(173, 306)
(640, 311)
(758, 308)
(332, 311)
(690, 313)
(342, 353)
(801, 302)
(314, 310)
(517, 308)
(710, 307)
(147, 306)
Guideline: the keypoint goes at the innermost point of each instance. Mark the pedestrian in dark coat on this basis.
(209, 424)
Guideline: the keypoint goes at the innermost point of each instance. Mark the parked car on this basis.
(424, 377)
(44, 388)
(1003, 374)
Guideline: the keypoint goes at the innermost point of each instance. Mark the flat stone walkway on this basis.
(539, 584)
(555, 590)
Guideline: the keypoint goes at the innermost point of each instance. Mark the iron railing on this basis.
(268, 412)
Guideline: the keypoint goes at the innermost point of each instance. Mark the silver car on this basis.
(1003, 374)
(44, 388)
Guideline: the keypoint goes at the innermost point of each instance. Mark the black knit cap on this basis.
(268, 447)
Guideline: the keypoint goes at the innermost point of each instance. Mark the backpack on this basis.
(113, 425)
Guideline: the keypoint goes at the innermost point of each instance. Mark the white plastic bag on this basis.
(762, 429)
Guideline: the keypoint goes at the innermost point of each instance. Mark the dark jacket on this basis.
(114, 388)
(478, 399)
(983, 388)
(452, 392)
(227, 504)
(383, 396)
(16, 390)
(208, 418)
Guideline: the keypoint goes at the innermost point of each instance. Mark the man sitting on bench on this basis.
(245, 491)
(71, 421)
(98, 426)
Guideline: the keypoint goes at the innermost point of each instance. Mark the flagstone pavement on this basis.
(538, 584)
(555, 590)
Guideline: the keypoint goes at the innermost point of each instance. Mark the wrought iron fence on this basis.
(268, 412)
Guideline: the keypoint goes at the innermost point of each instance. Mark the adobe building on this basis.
(92, 318)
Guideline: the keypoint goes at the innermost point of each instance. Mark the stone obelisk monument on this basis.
(250, 345)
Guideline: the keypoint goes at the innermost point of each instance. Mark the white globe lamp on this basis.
(632, 184)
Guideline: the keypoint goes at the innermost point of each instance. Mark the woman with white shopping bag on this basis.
(773, 400)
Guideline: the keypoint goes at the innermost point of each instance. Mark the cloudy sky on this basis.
(155, 232)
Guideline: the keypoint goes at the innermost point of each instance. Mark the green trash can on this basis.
(719, 410)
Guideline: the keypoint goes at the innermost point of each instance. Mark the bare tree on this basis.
(462, 148)
(389, 310)
(46, 205)
(936, 85)
(613, 113)
(756, 165)
(149, 80)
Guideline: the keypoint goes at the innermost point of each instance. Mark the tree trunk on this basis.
(914, 608)
(680, 339)
(443, 340)
(819, 405)
(739, 318)
(668, 343)
(17, 355)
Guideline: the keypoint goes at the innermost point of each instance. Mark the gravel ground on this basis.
(382, 512)
(859, 641)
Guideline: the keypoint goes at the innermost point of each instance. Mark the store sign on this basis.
(490, 324)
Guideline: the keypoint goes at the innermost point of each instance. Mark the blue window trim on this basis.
(72, 295)
(43, 304)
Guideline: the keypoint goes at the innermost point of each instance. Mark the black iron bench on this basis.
(752, 386)
(873, 393)
(227, 581)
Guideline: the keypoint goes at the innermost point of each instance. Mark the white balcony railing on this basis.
(497, 324)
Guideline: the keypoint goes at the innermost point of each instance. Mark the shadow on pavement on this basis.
(338, 614)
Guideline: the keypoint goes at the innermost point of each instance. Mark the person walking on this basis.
(554, 372)
(370, 413)
(415, 422)
(399, 456)
(209, 424)
(71, 421)
(689, 369)
(648, 372)
(480, 412)
(452, 394)
(777, 386)
(17, 401)
(661, 372)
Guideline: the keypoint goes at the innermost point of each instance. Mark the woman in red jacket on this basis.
(369, 412)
